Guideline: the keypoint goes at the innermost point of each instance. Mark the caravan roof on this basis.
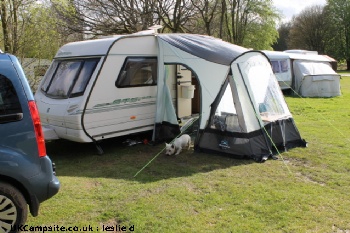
(206, 47)
(276, 54)
(301, 51)
(87, 47)
(297, 56)
(309, 57)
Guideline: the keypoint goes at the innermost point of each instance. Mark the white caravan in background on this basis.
(287, 65)
(282, 68)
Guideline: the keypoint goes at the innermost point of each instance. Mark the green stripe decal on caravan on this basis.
(119, 104)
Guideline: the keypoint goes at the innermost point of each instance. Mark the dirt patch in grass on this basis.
(336, 229)
(308, 178)
(297, 162)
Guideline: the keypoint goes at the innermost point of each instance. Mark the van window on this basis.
(68, 78)
(138, 72)
(9, 102)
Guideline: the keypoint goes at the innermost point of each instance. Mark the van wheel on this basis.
(13, 208)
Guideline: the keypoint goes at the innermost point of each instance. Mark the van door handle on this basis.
(11, 117)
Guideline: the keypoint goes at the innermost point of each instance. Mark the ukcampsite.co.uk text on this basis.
(57, 228)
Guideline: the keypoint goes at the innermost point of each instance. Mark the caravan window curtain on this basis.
(138, 71)
(68, 78)
(280, 66)
(63, 79)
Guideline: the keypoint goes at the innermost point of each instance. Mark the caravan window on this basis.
(284, 66)
(280, 66)
(68, 78)
(275, 67)
(138, 72)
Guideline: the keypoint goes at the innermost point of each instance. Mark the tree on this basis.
(176, 15)
(106, 17)
(339, 11)
(283, 35)
(223, 18)
(309, 30)
(28, 28)
(207, 10)
(11, 23)
(251, 23)
(29, 31)
(41, 37)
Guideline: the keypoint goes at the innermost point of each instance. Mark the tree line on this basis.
(33, 28)
(37, 28)
(325, 29)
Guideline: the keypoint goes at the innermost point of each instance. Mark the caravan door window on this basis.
(138, 71)
(68, 78)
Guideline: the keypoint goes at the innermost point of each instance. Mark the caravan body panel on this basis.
(113, 111)
(63, 114)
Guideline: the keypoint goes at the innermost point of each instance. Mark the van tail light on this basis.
(37, 128)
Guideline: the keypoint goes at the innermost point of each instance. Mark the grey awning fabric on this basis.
(205, 47)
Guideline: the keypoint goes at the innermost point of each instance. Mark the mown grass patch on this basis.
(306, 190)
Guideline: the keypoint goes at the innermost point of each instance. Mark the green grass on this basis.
(306, 190)
(344, 72)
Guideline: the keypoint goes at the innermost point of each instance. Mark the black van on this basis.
(27, 175)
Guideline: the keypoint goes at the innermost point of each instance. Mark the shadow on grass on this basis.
(120, 161)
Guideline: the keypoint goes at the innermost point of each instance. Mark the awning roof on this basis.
(205, 47)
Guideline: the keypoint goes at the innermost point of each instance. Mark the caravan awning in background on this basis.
(315, 79)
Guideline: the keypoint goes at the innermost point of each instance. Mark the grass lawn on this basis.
(305, 190)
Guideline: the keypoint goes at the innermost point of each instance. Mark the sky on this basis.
(288, 8)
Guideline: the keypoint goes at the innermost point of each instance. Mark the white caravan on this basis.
(313, 75)
(306, 72)
(282, 68)
(99, 89)
(106, 88)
